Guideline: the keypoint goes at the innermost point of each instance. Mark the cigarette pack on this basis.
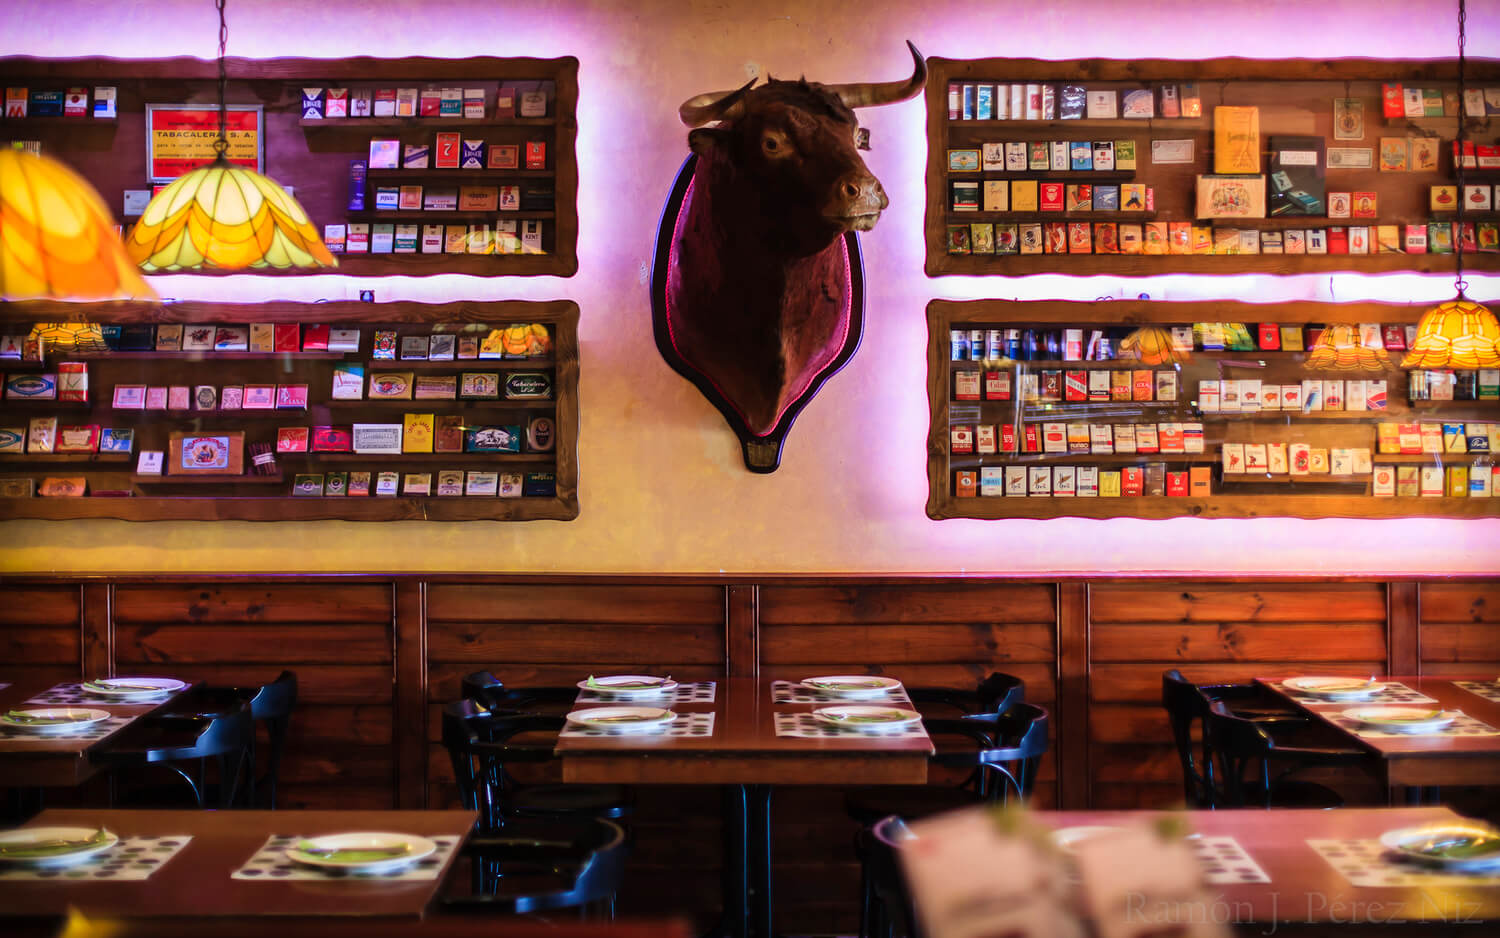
(1432, 481)
(1038, 480)
(1015, 481)
(1054, 437)
(1088, 481)
(1109, 483)
(965, 484)
(997, 386)
(961, 439)
(1079, 438)
(1383, 481)
(536, 154)
(1234, 458)
(1132, 481)
(1098, 385)
(1276, 458)
(1142, 385)
(1432, 437)
(984, 439)
(1124, 434)
(1064, 481)
(1407, 485)
(991, 481)
(1101, 438)
(445, 153)
(1147, 439)
(1455, 440)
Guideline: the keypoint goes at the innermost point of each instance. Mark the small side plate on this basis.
(361, 851)
(53, 846)
(1401, 719)
(623, 719)
(867, 718)
(129, 687)
(629, 685)
(1334, 688)
(53, 721)
(853, 686)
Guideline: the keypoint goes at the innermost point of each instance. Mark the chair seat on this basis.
(1295, 794)
(868, 805)
(606, 801)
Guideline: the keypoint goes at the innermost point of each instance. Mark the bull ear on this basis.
(706, 141)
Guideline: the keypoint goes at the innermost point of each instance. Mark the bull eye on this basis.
(774, 145)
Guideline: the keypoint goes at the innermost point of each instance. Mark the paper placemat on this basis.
(1489, 690)
(1368, 863)
(791, 692)
(133, 858)
(686, 724)
(1465, 725)
(692, 692)
(13, 738)
(1392, 693)
(74, 693)
(1225, 861)
(270, 862)
(807, 726)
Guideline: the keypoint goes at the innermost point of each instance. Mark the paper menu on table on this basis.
(1138, 881)
(969, 878)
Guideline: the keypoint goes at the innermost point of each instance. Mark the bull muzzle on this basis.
(857, 201)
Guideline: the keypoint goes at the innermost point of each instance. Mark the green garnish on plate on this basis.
(1420, 717)
(120, 685)
(889, 717)
(846, 685)
(624, 685)
(18, 716)
(354, 854)
(631, 718)
(50, 848)
(1460, 848)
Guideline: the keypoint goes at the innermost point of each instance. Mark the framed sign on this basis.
(180, 138)
(207, 453)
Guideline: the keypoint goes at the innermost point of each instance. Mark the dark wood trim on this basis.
(769, 579)
(1404, 627)
(409, 663)
(742, 630)
(333, 311)
(239, 68)
(1071, 727)
(97, 646)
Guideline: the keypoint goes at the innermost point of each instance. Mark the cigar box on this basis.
(1054, 438)
(961, 439)
(1407, 481)
(205, 397)
(1276, 458)
(386, 483)
(77, 439)
(985, 439)
(1124, 434)
(1087, 481)
(1015, 481)
(448, 433)
(481, 482)
(494, 439)
(450, 482)
(966, 483)
(1147, 439)
(997, 386)
(12, 440)
(1431, 481)
(435, 387)
(1078, 438)
(504, 156)
(1383, 481)
(1101, 438)
(417, 483)
(1039, 480)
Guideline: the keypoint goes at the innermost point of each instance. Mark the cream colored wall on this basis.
(662, 485)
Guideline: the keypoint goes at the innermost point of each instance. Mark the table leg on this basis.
(759, 802)
(734, 921)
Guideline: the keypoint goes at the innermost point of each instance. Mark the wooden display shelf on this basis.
(459, 364)
(247, 497)
(314, 155)
(1295, 97)
(1337, 428)
(206, 355)
(1061, 175)
(461, 175)
(23, 458)
(431, 215)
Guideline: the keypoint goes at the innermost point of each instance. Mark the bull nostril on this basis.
(851, 190)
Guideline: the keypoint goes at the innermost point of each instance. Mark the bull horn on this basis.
(716, 106)
(873, 94)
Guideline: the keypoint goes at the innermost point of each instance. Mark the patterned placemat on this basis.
(807, 726)
(12, 738)
(790, 692)
(1465, 725)
(63, 694)
(1368, 863)
(1489, 690)
(1225, 861)
(133, 858)
(686, 724)
(270, 862)
(1392, 693)
(690, 692)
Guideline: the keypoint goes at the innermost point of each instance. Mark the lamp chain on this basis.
(221, 145)
(1458, 159)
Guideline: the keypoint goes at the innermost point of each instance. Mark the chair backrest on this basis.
(271, 704)
(1186, 707)
(489, 690)
(478, 741)
(1240, 748)
(587, 853)
(1021, 741)
(999, 692)
(884, 841)
(174, 738)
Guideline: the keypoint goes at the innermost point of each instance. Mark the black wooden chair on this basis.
(168, 740)
(536, 865)
(270, 705)
(1244, 753)
(489, 690)
(886, 910)
(482, 744)
(995, 694)
(995, 754)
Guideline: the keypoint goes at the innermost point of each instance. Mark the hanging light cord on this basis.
(1458, 159)
(221, 145)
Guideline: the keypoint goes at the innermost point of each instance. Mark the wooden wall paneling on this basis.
(1214, 632)
(1460, 628)
(1072, 711)
(98, 622)
(742, 630)
(335, 635)
(1404, 628)
(409, 631)
(41, 627)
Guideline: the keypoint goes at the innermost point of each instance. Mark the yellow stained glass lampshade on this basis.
(1339, 349)
(228, 217)
(1152, 345)
(1458, 334)
(70, 336)
(57, 240)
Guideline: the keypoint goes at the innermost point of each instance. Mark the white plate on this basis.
(629, 685)
(86, 845)
(853, 686)
(1066, 837)
(75, 719)
(407, 849)
(868, 718)
(1334, 688)
(623, 719)
(128, 687)
(1401, 719)
(1410, 843)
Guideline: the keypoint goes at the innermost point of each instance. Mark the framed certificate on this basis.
(180, 138)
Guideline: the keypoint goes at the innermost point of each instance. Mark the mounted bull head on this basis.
(757, 290)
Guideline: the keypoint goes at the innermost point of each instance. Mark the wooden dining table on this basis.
(196, 883)
(1306, 895)
(44, 761)
(745, 755)
(1415, 761)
